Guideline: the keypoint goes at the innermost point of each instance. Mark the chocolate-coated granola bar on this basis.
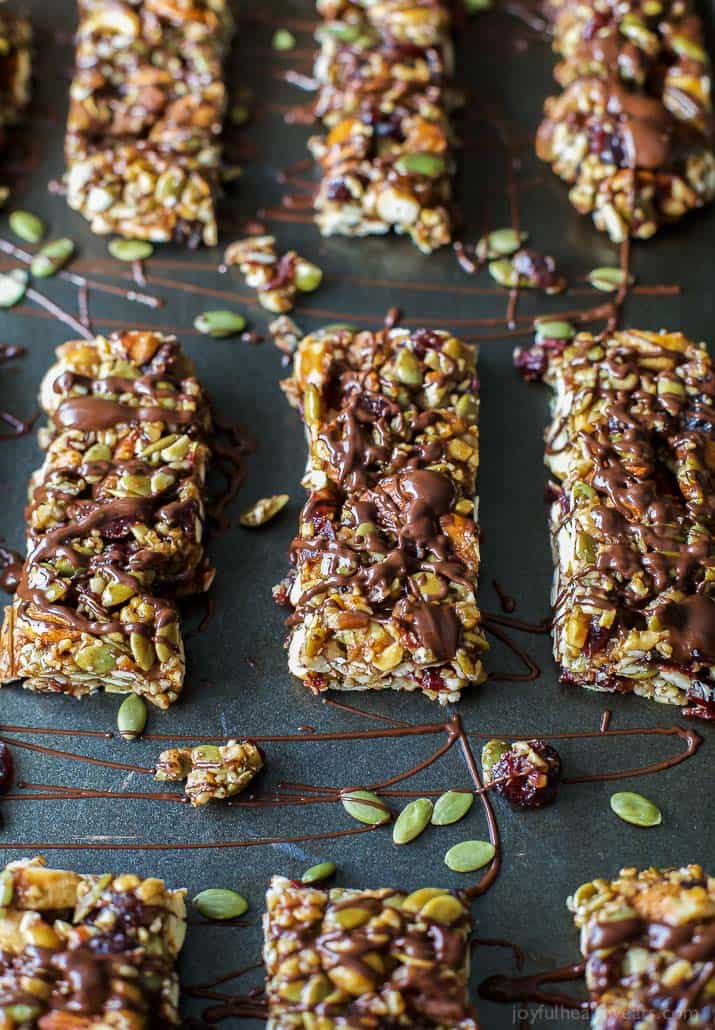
(115, 522)
(387, 556)
(146, 108)
(385, 96)
(374, 958)
(632, 445)
(81, 952)
(632, 131)
(648, 940)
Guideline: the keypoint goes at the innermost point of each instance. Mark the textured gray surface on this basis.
(546, 854)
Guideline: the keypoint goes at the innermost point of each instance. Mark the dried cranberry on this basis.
(531, 362)
(432, 680)
(6, 766)
(598, 637)
(528, 774)
(338, 190)
(609, 146)
(539, 269)
(117, 529)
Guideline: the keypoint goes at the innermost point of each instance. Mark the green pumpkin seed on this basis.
(635, 809)
(53, 256)
(22, 1013)
(13, 286)
(608, 280)
(427, 164)
(685, 47)
(220, 324)
(546, 330)
(132, 716)
(469, 855)
(412, 820)
(283, 39)
(308, 276)
(27, 226)
(504, 273)
(451, 807)
(366, 807)
(311, 404)
(344, 32)
(219, 903)
(130, 250)
(264, 510)
(491, 753)
(500, 243)
(476, 6)
(316, 873)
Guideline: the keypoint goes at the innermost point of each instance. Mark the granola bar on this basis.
(384, 99)
(16, 62)
(211, 773)
(146, 108)
(387, 556)
(114, 522)
(371, 958)
(648, 940)
(631, 444)
(81, 951)
(277, 280)
(632, 131)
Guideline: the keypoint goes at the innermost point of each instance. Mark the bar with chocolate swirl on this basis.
(115, 522)
(143, 143)
(632, 447)
(632, 131)
(387, 556)
(384, 99)
(88, 951)
(648, 941)
(378, 958)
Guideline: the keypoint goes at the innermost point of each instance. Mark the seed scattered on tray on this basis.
(283, 39)
(451, 807)
(52, 257)
(319, 872)
(27, 226)
(500, 243)
(548, 329)
(130, 250)
(220, 324)
(220, 903)
(132, 717)
(635, 809)
(263, 510)
(412, 821)
(366, 807)
(469, 855)
(13, 287)
(608, 280)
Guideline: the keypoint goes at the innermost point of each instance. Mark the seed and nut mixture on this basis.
(527, 774)
(648, 940)
(632, 445)
(277, 280)
(632, 131)
(384, 98)
(211, 773)
(387, 556)
(16, 61)
(143, 143)
(373, 958)
(87, 951)
(115, 522)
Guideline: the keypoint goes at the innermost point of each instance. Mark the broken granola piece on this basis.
(115, 522)
(528, 774)
(387, 556)
(90, 951)
(382, 958)
(276, 279)
(211, 773)
(632, 445)
(632, 132)
(648, 940)
(143, 143)
(385, 98)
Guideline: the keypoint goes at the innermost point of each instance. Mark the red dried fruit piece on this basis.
(527, 775)
(6, 767)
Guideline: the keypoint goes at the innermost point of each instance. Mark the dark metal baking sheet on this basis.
(238, 682)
